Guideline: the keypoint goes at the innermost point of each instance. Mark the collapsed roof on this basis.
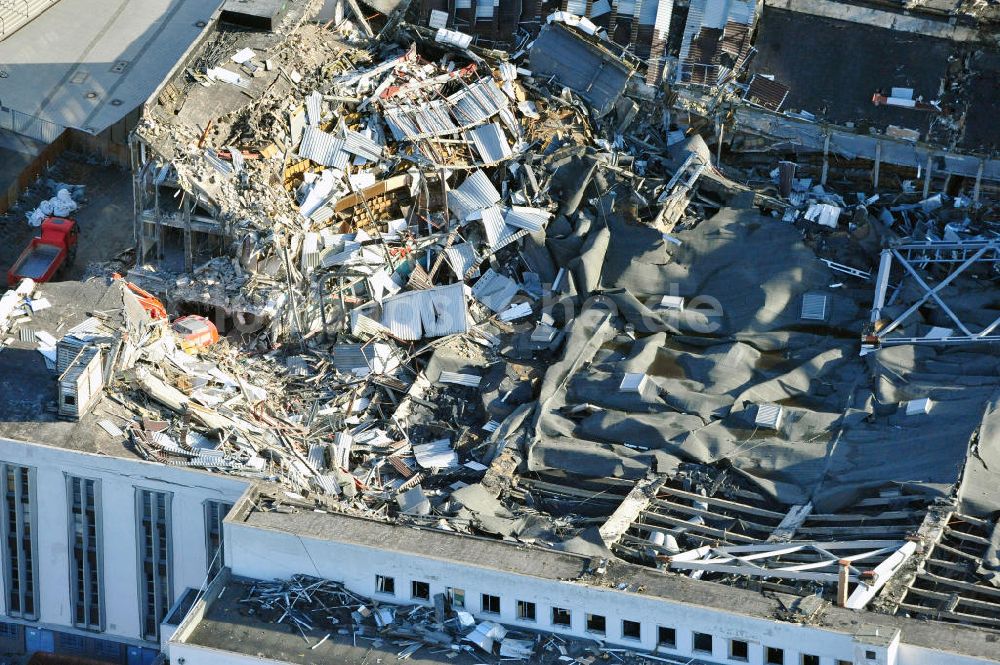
(479, 293)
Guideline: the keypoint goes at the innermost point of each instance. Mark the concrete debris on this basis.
(491, 292)
(322, 611)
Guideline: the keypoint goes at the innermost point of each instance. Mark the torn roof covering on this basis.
(716, 39)
(553, 396)
(572, 60)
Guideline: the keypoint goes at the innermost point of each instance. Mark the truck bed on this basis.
(37, 263)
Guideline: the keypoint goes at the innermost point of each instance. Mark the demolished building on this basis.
(506, 344)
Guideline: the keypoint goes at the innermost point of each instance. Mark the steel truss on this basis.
(914, 257)
(810, 561)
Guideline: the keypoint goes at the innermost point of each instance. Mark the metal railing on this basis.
(30, 125)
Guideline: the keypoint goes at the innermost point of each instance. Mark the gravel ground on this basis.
(105, 215)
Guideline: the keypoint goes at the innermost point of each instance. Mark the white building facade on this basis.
(98, 548)
(643, 621)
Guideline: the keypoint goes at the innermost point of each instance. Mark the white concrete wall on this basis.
(914, 655)
(189, 654)
(265, 554)
(119, 478)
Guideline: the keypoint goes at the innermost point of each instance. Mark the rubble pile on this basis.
(492, 293)
(384, 226)
(322, 611)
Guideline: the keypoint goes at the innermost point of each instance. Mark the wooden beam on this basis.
(878, 164)
(721, 534)
(630, 508)
(794, 518)
(826, 160)
(723, 503)
(927, 175)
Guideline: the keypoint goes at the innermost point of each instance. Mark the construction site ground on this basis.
(105, 214)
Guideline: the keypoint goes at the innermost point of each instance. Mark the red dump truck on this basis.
(52, 251)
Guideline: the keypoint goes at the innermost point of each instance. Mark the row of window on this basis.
(85, 540)
(666, 636)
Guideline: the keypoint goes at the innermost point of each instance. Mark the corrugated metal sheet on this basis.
(401, 315)
(494, 290)
(429, 313)
(474, 194)
(400, 465)
(531, 219)
(578, 7)
(91, 328)
(434, 119)
(491, 142)
(814, 307)
(314, 106)
(446, 312)
(595, 74)
(462, 258)
(765, 92)
(323, 148)
(648, 10)
(350, 359)
(493, 225)
(401, 124)
(419, 279)
(470, 380)
(467, 109)
(310, 251)
(327, 484)
(664, 12)
(223, 167)
(317, 457)
(340, 453)
(321, 214)
(436, 454)
(358, 144)
(768, 416)
(600, 8)
(498, 232)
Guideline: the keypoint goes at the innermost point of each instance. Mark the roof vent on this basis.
(916, 407)
(814, 307)
(634, 382)
(672, 302)
(769, 416)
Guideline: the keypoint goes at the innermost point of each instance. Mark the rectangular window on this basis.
(386, 585)
(525, 610)
(739, 650)
(631, 630)
(215, 512)
(420, 590)
(870, 655)
(808, 659)
(457, 597)
(86, 569)
(703, 642)
(666, 637)
(20, 524)
(774, 656)
(491, 604)
(155, 559)
(561, 617)
(596, 624)
(845, 662)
